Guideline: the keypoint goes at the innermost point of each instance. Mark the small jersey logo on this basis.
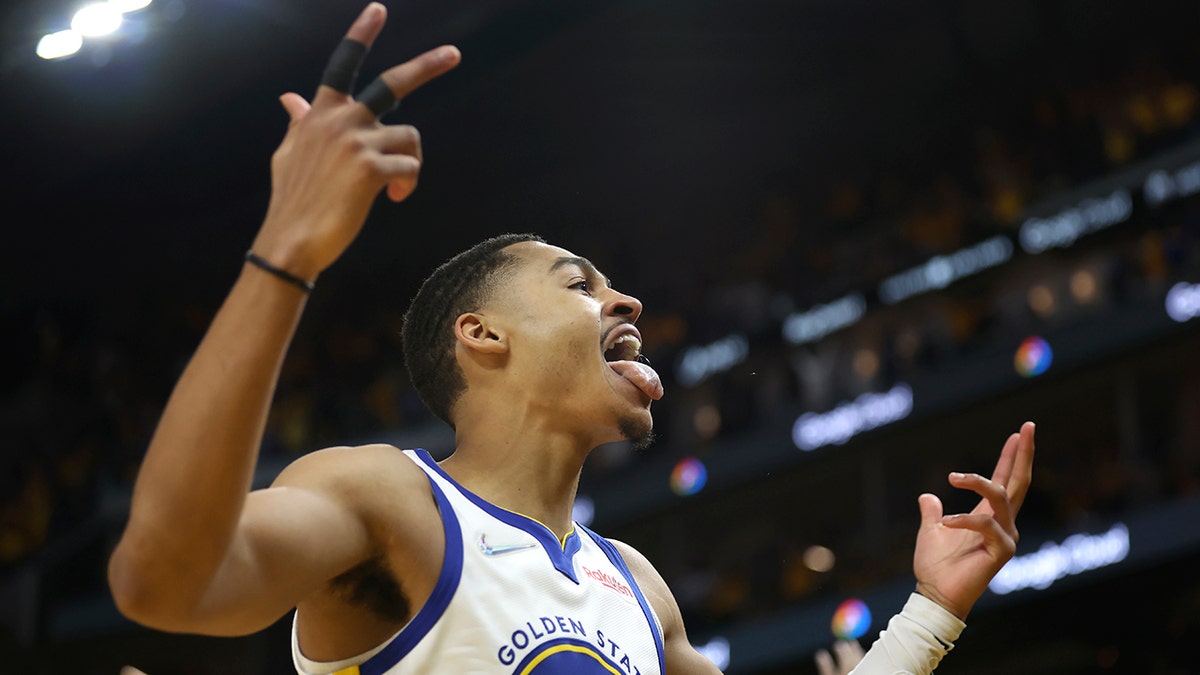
(609, 581)
(489, 550)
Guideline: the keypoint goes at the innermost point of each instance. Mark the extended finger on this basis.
(341, 71)
(384, 93)
(1003, 472)
(1022, 471)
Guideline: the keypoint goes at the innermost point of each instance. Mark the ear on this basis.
(476, 333)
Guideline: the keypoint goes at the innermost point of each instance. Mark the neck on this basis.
(522, 469)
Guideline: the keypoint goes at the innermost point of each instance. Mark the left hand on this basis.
(957, 555)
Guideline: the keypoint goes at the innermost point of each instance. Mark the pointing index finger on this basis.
(341, 71)
(366, 27)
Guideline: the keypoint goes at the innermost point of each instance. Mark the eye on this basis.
(582, 285)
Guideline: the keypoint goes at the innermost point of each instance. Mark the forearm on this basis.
(915, 640)
(198, 468)
(192, 488)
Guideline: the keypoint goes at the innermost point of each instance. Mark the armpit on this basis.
(372, 586)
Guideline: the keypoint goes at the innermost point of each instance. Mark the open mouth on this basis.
(625, 357)
(625, 348)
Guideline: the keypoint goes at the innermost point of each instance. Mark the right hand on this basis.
(335, 159)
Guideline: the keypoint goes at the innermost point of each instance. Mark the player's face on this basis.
(574, 348)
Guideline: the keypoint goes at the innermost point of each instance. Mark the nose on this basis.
(624, 305)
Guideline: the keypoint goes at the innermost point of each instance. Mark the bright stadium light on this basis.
(60, 44)
(127, 6)
(97, 19)
(94, 20)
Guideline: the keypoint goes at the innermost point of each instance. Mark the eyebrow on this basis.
(583, 264)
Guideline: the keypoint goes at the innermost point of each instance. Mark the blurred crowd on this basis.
(86, 383)
(1138, 446)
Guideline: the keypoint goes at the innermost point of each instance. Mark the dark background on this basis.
(727, 163)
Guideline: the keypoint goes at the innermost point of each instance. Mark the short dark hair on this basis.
(461, 284)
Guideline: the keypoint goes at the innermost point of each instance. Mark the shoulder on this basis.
(374, 479)
(638, 564)
(655, 588)
(678, 652)
(350, 466)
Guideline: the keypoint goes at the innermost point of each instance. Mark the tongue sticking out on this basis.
(641, 375)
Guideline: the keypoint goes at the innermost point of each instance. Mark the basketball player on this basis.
(394, 563)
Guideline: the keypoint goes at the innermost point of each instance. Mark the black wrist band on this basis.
(306, 286)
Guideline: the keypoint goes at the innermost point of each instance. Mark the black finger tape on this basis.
(378, 97)
(342, 69)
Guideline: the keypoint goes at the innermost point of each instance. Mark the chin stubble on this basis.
(639, 434)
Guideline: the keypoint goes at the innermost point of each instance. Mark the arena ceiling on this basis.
(635, 132)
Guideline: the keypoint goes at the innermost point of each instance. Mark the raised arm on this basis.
(195, 555)
(957, 555)
(955, 558)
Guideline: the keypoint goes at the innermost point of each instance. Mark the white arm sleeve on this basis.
(914, 641)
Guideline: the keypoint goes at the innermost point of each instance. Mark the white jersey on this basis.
(512, 599)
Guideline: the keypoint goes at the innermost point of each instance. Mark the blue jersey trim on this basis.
(561, 556)
(619, 562)
(408, 637)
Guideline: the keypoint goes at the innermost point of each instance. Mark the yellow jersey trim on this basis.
(567, 648)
